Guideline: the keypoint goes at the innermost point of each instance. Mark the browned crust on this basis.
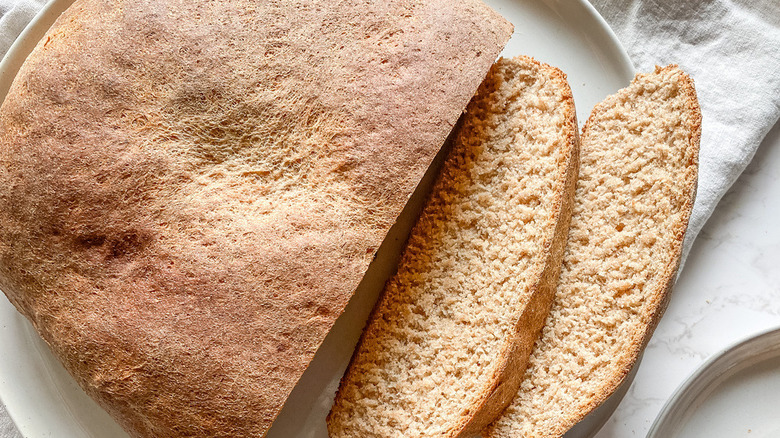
(178, 315)
(514, 359)
(660, 298)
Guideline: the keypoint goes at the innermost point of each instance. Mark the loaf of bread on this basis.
(447, 342)
(634, 197)
(190, 191)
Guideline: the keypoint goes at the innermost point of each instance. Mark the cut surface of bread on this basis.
(444, 349)
(637, 184)
(191, 190)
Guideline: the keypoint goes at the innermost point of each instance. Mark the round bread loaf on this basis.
(190, 191)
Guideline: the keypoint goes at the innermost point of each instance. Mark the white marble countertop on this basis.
(728, 290)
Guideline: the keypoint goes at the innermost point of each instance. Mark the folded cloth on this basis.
(14, 16)
(731, 48)
(7, 428)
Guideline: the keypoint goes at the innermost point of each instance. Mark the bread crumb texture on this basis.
(632, 204)
(434, 345)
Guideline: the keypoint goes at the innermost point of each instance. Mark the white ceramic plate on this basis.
(43, 399)
(736, 393)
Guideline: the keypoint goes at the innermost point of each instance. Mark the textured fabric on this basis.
(731, 48)
(14, 16)
(7, 428)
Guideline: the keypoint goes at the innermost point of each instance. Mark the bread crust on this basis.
(190, 191)
(659, 298)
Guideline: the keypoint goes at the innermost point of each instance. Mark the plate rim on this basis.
(629, 70)
(714, 370)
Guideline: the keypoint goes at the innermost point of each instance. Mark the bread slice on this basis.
(445, 347)
(192, 190)
(634, 197)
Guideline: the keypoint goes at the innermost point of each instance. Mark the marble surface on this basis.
(728, 290)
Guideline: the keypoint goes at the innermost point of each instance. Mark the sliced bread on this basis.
(634, 197)
(446, 345)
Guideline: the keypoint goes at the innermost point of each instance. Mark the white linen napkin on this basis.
(14, 16)
(731, 48)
